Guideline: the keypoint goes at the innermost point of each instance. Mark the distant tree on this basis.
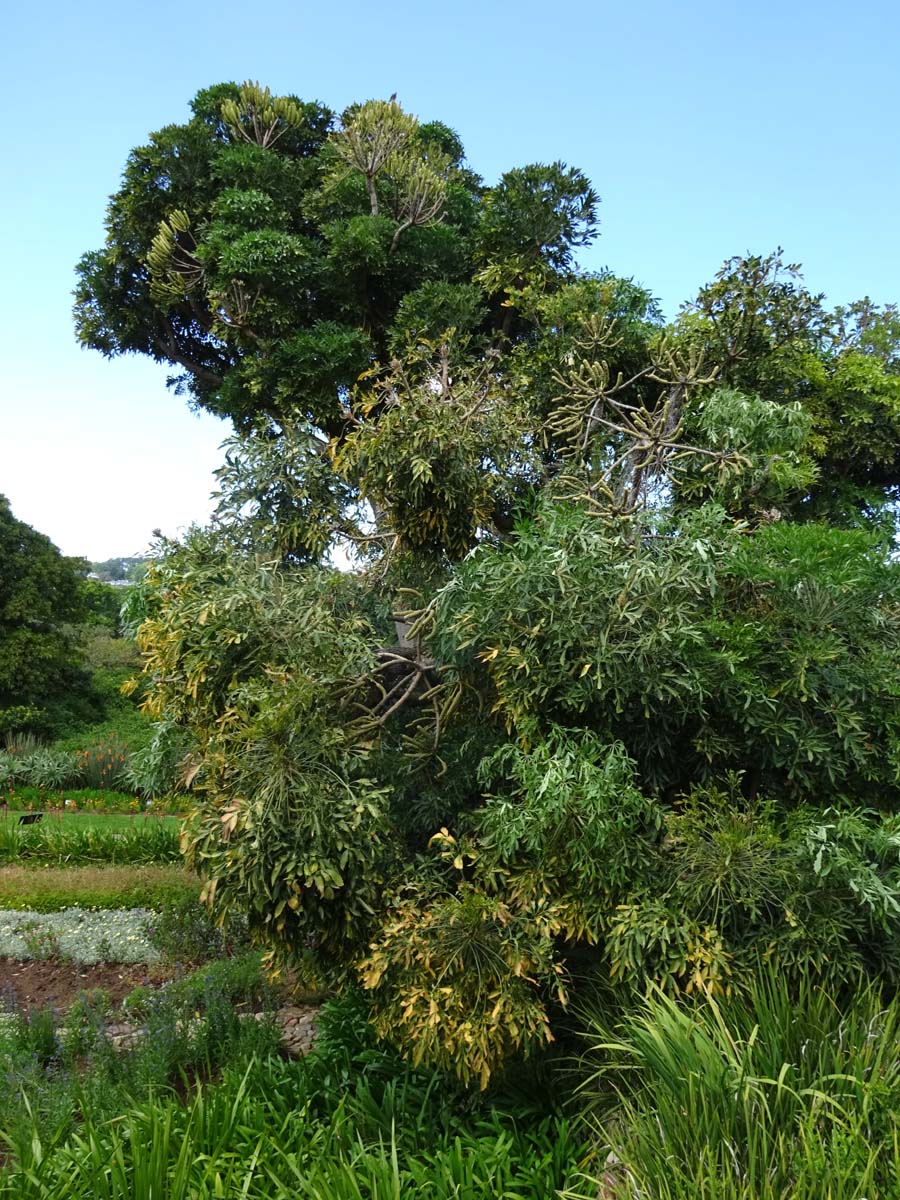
(102, 602)
(42, 599)
(769, 336)
(115, 570)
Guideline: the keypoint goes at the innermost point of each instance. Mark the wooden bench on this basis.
(31, 818)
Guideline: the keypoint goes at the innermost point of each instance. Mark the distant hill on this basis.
(120, 570)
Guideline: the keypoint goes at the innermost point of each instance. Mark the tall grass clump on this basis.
(760, 1096)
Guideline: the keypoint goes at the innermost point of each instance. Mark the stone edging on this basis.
(296, 1024)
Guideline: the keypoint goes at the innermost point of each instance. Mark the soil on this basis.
(51, 984)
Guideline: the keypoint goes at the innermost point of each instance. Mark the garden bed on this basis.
(56, 985)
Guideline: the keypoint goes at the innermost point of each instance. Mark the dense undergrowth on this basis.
(221, 1117)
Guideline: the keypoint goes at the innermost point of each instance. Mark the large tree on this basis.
(611, 685)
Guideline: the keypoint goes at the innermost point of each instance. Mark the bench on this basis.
(31, 818)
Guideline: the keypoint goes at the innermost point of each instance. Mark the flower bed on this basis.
(78, 935)
(20, 798)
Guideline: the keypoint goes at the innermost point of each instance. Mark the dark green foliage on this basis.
(239, 979)
(771, 337)
(612, 685)
(815, 892)
(102, 602)
(64, 1072)
(183, 931)
(702, 646)
(266, 257)
(42, 683)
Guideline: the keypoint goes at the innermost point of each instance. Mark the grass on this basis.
(108, 822)
(66, 841)
(348, 1122)
(759, 1097)
(51, 889)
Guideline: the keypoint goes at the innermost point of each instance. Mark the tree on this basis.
(270, 253)
(611, 685)
(41, 599)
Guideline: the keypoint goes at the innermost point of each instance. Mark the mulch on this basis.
(56, 985)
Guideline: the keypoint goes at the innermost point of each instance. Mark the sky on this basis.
(708, 129)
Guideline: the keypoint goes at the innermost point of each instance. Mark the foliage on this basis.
(183, 931)
(765, 1095)
(158, 768)
(147, 842)
(267, 257)
(610, 685)
(239, 979)
(23, 797)
(706, 646)
(65, 1072)
(816, 893)
(346, 1121)
(103, 766)
(461, 972)
(41, 596)
(775, 339)
(102, 603)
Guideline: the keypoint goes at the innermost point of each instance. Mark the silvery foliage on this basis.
(80, 935)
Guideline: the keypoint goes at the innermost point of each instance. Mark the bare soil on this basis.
(51, 984)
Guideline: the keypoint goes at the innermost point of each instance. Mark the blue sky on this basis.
(709, 129)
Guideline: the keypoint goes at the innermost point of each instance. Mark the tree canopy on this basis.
(610, 687)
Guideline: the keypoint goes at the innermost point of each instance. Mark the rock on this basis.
(297, 1030)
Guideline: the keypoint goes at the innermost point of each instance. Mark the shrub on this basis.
(48, 769)
(240, 980)
(22, 744)
(157, 769)
(762, 1095)
(18, 720)
(10, 771)
(186, 932)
